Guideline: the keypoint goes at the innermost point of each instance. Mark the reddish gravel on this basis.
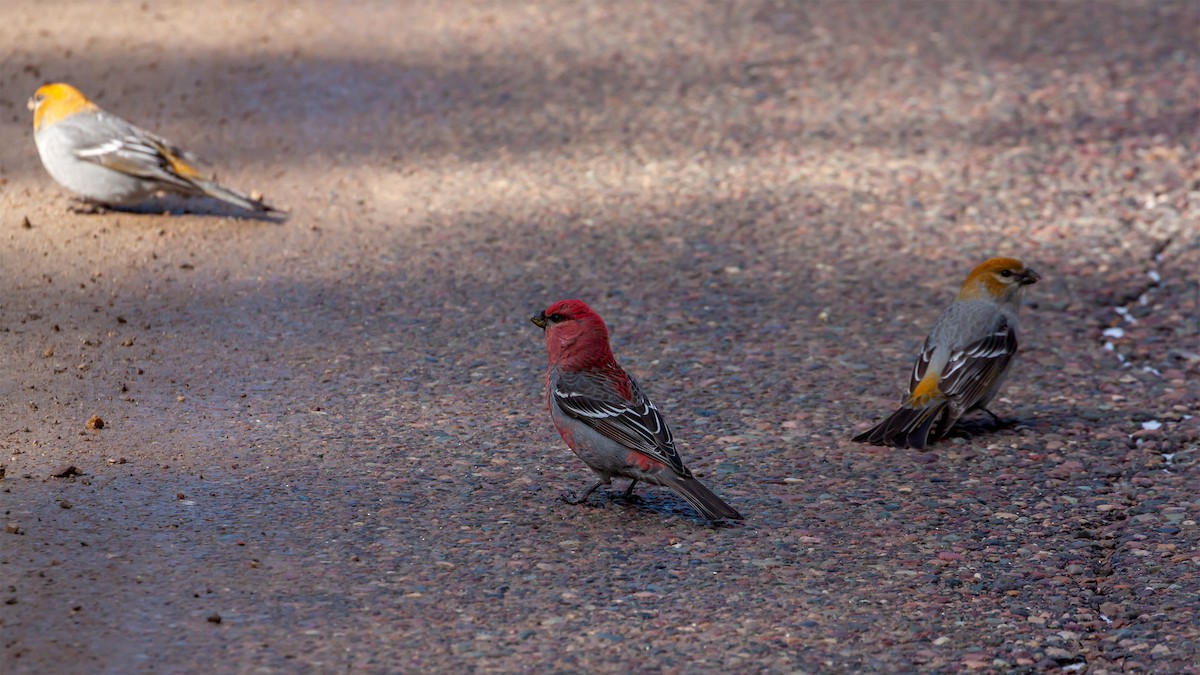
(324, 446)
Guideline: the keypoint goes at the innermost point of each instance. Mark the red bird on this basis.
(603, 415)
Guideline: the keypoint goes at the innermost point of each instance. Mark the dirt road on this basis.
(324, 444)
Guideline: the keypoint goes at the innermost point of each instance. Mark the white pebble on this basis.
(1114, 332)
(1151, 425)
(1154, 276)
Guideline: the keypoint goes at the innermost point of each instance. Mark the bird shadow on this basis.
(981, 425)
(170, 205)
(649, 503)
(1037, 420)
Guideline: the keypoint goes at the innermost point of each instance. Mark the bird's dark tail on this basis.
(231, 196)
(909, 427)
(708, 504)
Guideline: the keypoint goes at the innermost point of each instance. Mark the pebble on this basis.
(66, 471)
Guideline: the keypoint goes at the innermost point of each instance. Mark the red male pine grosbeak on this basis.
(603, 415)
(964, 360)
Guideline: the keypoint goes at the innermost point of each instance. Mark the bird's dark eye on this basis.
(1006, 273)
(556, 317)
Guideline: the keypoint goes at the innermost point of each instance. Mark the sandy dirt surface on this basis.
(324, 444)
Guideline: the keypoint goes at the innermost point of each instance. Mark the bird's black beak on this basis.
(1030, 277)
(540, 320)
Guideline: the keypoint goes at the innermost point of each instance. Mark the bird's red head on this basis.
(576, 337)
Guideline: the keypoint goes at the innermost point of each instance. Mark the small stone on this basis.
(1059, 654)
(94, 422)
(1067, 468)
(1110, 609)
(214, 618)
(66, 472)
(65, 504)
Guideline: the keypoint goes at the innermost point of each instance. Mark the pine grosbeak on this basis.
(603, 415)
(964, 360)
(106, 160)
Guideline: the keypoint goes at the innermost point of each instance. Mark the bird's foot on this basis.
(998, 421)
(566, 496)
(86, 208)
(573, 501)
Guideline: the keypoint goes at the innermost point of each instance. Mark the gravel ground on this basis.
(324, 446)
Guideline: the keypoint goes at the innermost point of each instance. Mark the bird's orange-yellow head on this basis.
(54, 102)
(999, 278)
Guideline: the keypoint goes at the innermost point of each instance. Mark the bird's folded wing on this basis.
(920, 366)
(144, 156)
(973, 369)
(635, 423)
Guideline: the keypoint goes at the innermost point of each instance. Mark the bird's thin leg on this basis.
(566, 497)
(86, 208)
(628, 493)
(995, 418)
